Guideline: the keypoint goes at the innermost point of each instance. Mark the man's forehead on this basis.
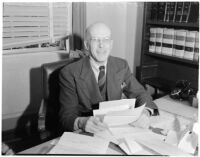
(100, 31)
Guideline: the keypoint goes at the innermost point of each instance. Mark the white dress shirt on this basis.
(95, 67)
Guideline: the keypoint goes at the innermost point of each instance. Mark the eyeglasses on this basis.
(101, 40)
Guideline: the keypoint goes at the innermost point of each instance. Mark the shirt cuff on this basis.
(76, 124)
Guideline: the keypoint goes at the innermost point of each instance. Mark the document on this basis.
(107, 135)
(189, 142)
(133, 146)
(110, 109)
(72, 143)
(117, 103)
(160, 146)
(117, 118)
(126, 130)
(176, 107)
(172, 137)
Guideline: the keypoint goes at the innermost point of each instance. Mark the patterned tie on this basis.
(102, 77)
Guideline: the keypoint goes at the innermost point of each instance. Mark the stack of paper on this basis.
(119, 112)
(72, 143)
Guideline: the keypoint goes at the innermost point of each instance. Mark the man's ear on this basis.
(86, 45)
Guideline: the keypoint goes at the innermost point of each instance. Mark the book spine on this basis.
(152, 41)
(179, 10)
(154, 10)
(172, 11)
(159, 37)
(166, 16)
(194, 12)
(189, 45)
(180, 36)
(196, 47)
(186, 11)
(175, 7)
(161, 11)
(168, 40)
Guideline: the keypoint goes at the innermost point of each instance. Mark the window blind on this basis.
(26, 24)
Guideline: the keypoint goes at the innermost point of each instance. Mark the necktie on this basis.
(102, 77)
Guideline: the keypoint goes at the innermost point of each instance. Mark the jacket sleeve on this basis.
(134, 89)
(68, 100)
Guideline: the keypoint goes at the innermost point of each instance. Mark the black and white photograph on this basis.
(88, 78)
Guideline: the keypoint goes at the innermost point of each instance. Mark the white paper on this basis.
(107, 110)
(126, 130)
(189, 142)
(114, 103)
(124, 147)
(172, 138)
(181, 108)
(107, 135)
(196, 128)
(133, 146)
(123, 117)
(72, 143)
(160, 146)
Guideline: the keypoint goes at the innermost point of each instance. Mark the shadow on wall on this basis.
(26, 131)
(77, 42)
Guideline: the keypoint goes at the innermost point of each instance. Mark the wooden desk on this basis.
(169, 113)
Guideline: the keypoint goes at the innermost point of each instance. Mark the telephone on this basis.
(182, 90)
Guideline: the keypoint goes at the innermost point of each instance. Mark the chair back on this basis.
(51, 90)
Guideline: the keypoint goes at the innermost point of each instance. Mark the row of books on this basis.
(172, 42)
(183, 12)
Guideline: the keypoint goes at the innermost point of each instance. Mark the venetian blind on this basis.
(26, 24)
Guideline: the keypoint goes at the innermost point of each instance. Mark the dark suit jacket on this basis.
(79, 89)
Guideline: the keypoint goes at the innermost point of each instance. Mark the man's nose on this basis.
(100, 43)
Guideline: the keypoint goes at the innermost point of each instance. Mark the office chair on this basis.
(48, 121)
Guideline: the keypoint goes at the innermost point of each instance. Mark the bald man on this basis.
(96, 78)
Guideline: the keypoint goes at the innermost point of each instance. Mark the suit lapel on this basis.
(114, 80)
(88, 83)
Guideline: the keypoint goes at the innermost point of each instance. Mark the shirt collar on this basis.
(95, 65)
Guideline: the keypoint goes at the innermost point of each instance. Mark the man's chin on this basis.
(102, 59)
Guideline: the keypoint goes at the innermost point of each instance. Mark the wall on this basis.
(22, 86)
(125, 21)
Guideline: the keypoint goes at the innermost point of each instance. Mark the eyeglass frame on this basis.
(106, 40)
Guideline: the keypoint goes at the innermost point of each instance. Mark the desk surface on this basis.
(168, 108)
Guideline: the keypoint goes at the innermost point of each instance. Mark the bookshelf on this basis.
(166, 60)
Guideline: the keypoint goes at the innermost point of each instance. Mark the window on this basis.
(35, 25)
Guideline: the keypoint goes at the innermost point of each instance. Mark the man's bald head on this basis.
(98, 30)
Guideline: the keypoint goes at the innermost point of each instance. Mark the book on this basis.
(186, 11)
(152, 40)
(179, 11)
(194, 12)
(159, 37)
(179, 43)
(175, 7)
(196, 47)
(154, 10)
(189, 45)
(168, 41)
(161, 11)
(172, 10)
(167, 10)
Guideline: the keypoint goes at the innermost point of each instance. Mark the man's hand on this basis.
(92, 124)
(143, 121)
